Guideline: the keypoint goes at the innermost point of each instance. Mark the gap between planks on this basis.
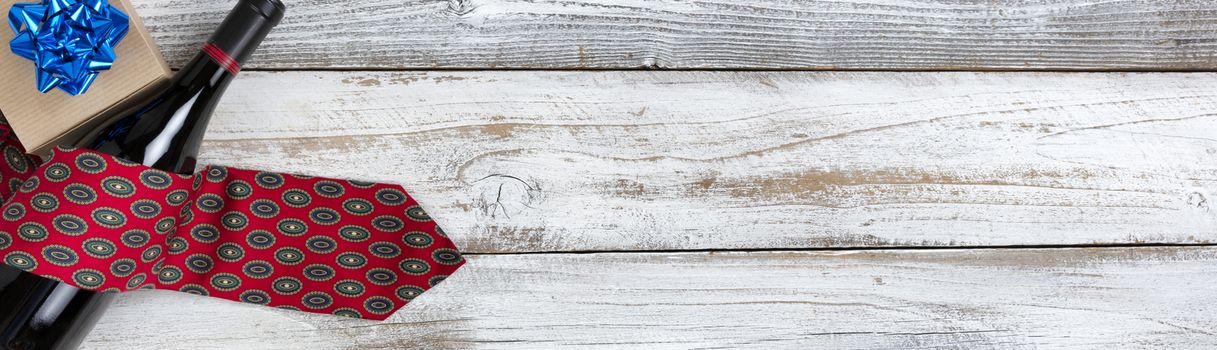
(856, 249)
(736, 69)
(840, 34)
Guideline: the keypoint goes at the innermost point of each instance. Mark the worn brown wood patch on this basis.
(571, 161)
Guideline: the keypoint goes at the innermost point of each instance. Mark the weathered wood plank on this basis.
(560, 161)
(1087, 298)
(811, 34)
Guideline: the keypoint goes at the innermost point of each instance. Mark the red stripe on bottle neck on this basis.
(222, 58)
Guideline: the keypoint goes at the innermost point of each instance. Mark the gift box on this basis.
(43, 120)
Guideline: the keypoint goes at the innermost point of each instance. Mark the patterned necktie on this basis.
(313, 244)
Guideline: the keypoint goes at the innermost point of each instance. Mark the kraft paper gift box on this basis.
(43, 120)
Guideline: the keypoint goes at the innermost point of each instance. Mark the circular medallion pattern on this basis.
(225, 281)
(328, 189)
(258, 269)
(238, 189)
(57, 172)
(289, 256)
(446, 256)
(384, 250)
(417, 214)
(351, 260)
(164, 225)
(292, 227)
(387, 223)
(381, 276)
(145, 209)
(318, 272)
(378, 305)
(357, 206)
(296, 198)
(414, 267)
(286, 285)
(260, 239)
(234, 221)
(150, 254)
(177, 245)
(122, 267)
(59, 255)
(230, 252)
(352, 233)
(254, 296)
(155, 179)
(268, 181)
(136, 280)
(199, 263)
(118, 186)
(32, 232)
(169, 275)
(317, 300)
(349, 288)
(324, 216)
(16, 159)
(408, 293)
(209, 203)
(100, 248)
(44, 202)
(390, 196)
(69, 224)
(90, 163)
(177, 197)
(21, 260)
(321, 244)
(14, 211)
(89, 278)
(417, 239)
(135, 238)
(216, 173)
(205, 233)
(264, 208)
(109, 217)
(78, 193)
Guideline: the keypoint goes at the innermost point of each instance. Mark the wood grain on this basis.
(1026, 298)
(783, 34)
(571, 161)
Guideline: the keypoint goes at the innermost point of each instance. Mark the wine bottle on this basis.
(164, 132)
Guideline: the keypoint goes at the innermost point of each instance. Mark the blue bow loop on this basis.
(69, 41)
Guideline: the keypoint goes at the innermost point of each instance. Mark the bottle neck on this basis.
(241, 32)
(206, 71)
(219, 56)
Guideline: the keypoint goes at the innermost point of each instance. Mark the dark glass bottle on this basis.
(163, 133)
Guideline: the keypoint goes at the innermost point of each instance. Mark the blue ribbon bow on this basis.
(68, 40)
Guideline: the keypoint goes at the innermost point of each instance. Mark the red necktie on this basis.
(313, 244)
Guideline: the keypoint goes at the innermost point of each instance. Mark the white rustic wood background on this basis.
(758, 174)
